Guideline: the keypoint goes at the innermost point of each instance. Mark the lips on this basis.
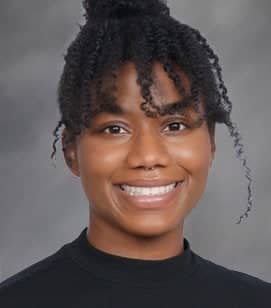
(150, 202)
(122, 188)
(149, 183)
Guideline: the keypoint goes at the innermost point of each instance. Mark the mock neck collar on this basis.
(129, 270)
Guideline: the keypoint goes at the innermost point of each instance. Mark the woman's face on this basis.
(119, 154)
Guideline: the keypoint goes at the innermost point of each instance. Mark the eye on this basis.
(113, 129)
(116, 129)
(176, 125)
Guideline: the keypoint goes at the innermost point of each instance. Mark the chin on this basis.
(149, 228)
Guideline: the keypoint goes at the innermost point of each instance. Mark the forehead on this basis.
(128, 91)
(163, 88)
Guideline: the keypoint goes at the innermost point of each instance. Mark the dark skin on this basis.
(102, 159)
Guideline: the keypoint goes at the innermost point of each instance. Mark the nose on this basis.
(148, 150)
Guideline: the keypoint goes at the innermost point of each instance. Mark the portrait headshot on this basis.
(135, 154)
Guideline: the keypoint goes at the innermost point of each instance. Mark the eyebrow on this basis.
(179, 106)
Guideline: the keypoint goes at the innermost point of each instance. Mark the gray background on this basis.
(43, 207)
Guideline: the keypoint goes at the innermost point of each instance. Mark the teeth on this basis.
(149, 191)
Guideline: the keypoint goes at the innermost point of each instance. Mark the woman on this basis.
(139, 98)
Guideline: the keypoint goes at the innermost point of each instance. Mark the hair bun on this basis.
(104, 9)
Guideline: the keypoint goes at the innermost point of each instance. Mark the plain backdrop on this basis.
(43, 207)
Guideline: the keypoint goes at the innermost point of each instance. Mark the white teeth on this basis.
(149, 191)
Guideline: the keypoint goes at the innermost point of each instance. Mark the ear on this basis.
(70, 153)
(213, 145)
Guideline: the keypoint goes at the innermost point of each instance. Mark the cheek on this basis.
(97, 164)
(193, 157)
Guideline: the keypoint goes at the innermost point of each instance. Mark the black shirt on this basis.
(80, 275)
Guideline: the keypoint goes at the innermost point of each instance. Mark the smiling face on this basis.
(117, 148)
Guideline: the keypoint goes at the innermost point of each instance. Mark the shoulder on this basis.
(245, 288)
(32, 281)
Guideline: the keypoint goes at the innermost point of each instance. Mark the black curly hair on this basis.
(141, 31)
